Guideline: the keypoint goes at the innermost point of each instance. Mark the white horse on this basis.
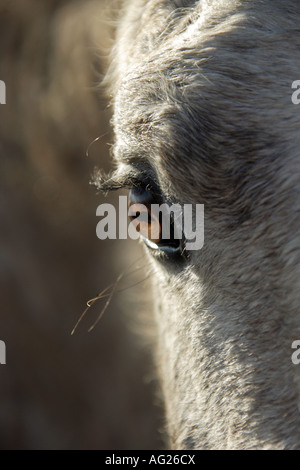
(203, 115)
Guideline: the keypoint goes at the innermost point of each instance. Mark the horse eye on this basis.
(147, 223)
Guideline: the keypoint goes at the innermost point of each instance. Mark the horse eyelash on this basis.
(113, 182)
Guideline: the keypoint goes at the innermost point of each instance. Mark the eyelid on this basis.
(120, 180)
(137, 174)
(145, 182)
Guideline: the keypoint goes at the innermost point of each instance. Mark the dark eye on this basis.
(151, 223)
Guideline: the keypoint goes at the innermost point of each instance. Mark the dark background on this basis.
(57, 391)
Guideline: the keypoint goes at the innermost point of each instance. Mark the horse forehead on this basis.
(194, 94)
(158, 30)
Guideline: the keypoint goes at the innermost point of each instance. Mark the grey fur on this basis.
(202, 103)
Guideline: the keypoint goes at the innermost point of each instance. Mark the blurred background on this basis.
(91, 390)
